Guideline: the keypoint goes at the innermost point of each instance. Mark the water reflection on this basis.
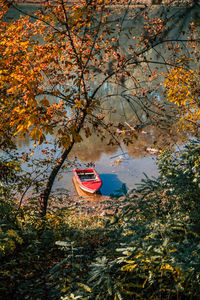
(129, 171)
(111, 184)
(115, 165)
(92, 148)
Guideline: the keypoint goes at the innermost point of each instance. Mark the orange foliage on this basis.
(182, 86)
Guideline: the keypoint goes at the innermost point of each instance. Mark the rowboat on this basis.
(88, 180)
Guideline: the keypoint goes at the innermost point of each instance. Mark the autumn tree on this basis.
(55, 64)
(182, 87)
(182, 83)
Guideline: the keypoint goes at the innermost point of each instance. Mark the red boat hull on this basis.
(88, 180)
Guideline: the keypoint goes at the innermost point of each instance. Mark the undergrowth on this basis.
(148, 249)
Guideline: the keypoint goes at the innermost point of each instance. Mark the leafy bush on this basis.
(153, 251)
(148, 250)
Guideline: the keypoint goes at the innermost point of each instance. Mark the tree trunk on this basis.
(44, 196)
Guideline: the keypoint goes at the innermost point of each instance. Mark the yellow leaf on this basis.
(86, 287)
(32, 153)
(19, 129)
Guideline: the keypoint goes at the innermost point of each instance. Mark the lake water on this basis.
(116, 166)
(128, 171)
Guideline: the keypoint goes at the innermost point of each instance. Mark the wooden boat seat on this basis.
(87, 178)
(83, 174)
